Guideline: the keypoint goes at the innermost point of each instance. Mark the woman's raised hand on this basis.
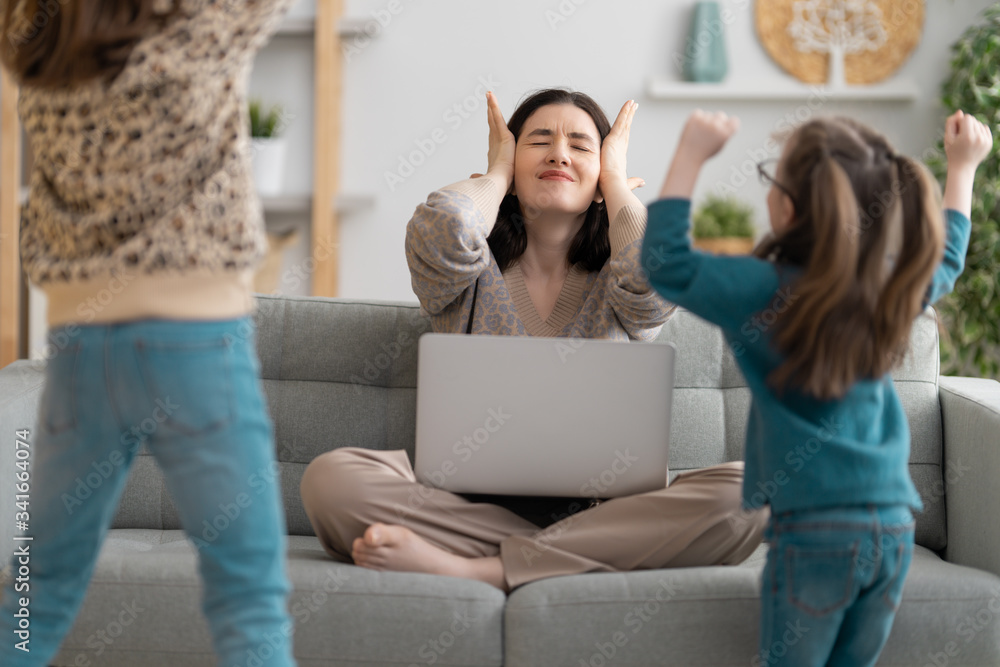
(502, 144)
(614, 148)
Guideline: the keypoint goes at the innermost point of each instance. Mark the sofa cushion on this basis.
(361, 392)
(143, 608)
(710, 616)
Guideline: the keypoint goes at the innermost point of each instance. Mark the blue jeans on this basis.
(832, 584)
(191, 392)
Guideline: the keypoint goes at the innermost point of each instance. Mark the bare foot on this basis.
(399, 549)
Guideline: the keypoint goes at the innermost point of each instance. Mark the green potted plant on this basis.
(269, 147)
(970, 341)
(724, 225)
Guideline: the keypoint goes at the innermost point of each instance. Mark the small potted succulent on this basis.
(724, 225)
(268, 147)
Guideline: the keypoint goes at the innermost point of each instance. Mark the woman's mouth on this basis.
(554, 175)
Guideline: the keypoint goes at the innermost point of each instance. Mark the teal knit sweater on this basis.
(801, 453)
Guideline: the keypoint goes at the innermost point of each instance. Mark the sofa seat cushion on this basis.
(709, 616)
(143, 607)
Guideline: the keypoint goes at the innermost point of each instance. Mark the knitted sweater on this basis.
(141, 199)
(451, 263)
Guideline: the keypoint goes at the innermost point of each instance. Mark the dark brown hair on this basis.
(868, 233)
(591, 246)
(55, 43)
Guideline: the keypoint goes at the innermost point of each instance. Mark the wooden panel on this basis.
(326, 143)
(10, 186)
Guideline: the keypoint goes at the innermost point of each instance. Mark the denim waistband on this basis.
(887, 515)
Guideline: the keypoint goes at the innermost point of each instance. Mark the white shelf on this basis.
(287, 203)
(347, 27)
(353, 28)
(664, 89)
(302, 25)
(346, 202)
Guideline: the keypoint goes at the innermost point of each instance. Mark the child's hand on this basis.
(705, 134)
(967, 142)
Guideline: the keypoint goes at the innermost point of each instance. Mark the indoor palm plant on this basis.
(970, 315)
(724, 225)
(269, 147)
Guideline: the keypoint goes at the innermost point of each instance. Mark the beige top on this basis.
(451, 265)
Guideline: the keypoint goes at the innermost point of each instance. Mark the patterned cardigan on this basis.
(451, 265)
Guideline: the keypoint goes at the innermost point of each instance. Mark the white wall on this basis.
(431, 56)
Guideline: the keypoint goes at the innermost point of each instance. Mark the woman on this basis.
(546, 243)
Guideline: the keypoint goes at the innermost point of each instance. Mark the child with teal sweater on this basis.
(816, 319)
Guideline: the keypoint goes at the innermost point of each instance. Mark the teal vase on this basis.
(705, 52)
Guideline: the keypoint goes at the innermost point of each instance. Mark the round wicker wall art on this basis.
(874, 36)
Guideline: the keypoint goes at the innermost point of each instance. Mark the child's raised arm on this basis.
(723, 290)
(967, 142)
(703, 136)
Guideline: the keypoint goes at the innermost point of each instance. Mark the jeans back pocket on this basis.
(189, 383)
(821, 579)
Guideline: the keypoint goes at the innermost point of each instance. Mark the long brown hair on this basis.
(591, 246)
(55, 43)
(868, 232)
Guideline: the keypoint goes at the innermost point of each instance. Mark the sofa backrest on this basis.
(340, 373)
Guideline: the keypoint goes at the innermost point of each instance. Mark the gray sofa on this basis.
(341, 373)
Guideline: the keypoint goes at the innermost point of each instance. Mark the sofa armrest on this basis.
(20, 391)
(970, 410)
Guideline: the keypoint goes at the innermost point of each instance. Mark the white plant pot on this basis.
(269, 165)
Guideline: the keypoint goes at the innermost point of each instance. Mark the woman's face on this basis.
(557, 161)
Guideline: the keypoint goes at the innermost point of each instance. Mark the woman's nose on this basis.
(558, 154)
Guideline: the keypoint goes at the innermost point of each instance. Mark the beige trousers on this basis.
(697, 520)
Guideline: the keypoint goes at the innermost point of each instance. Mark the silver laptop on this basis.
(543, 416)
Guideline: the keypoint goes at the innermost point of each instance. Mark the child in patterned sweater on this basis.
(143, 228)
